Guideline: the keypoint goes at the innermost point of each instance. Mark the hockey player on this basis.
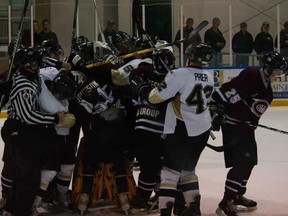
(56, 89)
(23, 132)
(187, 125)
(99, 96)
(149, 125)
(122, 43)
(240, 104)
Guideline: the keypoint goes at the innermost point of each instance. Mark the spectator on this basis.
(26, 36)
(242, 43)
(215, 39)
(36, 31)
(108, 33)
(263, 42)
(283, 41)
(46, 33)
(186, 31)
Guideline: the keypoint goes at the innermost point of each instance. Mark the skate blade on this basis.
(240, 208)
(220, 212)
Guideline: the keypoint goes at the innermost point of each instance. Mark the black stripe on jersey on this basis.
(22, 105)
(49, 62)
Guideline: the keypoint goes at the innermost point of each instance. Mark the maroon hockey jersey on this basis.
(245, 98)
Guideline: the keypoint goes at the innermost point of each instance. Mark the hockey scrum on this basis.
(135, 108)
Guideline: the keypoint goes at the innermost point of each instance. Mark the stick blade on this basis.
(198, 28)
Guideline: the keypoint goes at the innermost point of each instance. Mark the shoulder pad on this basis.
(147, 60)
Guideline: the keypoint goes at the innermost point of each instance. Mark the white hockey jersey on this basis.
(190, 90)
(47, 102)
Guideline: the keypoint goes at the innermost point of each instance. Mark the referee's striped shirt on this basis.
(23, 101)
(51, 62)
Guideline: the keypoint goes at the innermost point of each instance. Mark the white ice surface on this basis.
(268, 184)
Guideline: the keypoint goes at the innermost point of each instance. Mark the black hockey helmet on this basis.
(122, 42)
(28, 57)
(274, 61)
(120, 36)
(76, 42)
(161, 57)
(64, 85)
(201, 53)
(52, 49)
(85, 50)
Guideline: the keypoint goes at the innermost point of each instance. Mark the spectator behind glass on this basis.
(36, 31)
(46, 33)
(213, 36)
(26, 36)
(186, 31)
(283, 41)
(108, 33)
(242, 43)
(263, 42)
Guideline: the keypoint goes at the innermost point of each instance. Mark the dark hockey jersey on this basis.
(245, 98)
(149, 117)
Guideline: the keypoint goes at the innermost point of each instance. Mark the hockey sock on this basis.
(64, 178)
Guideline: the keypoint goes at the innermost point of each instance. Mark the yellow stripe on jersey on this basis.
(153, 97)
(176, 104)
(118, 78)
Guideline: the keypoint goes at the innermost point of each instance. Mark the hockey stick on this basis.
(215, 148)
(74, 23)
(15, 48)
(273, 129)
(143, 33)
(202, 25)
(99, 23)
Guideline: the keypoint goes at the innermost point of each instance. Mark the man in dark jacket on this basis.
(215, 39)
(242, 45)
(263, 42)
(186, 31)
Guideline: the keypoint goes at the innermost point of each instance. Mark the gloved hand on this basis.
(139, 85)
(218, 120)
(67, 66)
(77, 62)
(89, 96)
(66, 120)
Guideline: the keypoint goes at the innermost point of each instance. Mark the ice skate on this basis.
(41, 209)
(193, 209)
(124, 203)
(83, 203)
(168, 210)
(153, 205)
(6, 213)
(139, 206)
(3, 202)
(226, 208)
(63, 201)
(241, 203)
(180, 204)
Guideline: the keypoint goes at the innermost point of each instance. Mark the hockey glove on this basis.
(140, 86)
(218, 118)
(89, 97)
(77, 62)
(67, 120)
